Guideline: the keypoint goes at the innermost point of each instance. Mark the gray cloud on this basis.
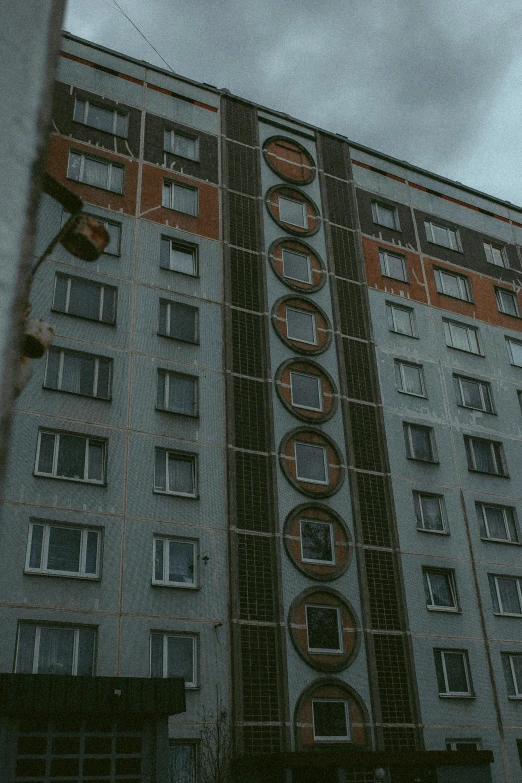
(418, 79)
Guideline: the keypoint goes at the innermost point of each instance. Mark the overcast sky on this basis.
(434, 82)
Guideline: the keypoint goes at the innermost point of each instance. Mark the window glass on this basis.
(311, 463)
(175, 472)
(495, 255)
(512, 664)
(174, 562)
(47, 650)
(296, 266)
(497, 522)
(515, 351)
(67, 550)
(322, 623)
(181, 658)
(181, 144)
(71, 456)
(293, 212)
(485, 456)
(409, 378)
(316, 541)
(178, 320)
(330, 718)
(452, 285)
(385, 216)
(177, 393)
(401, 319)
(178, 256)
(182, 763)
(181, 198)
(393, 266)
(442, 235)
(473, 394)
(506, 595)
(429, 509)
(461, 336)
(456, 674)
(439, 588)
(300, 325)
(419, 442)
(78, 373)
(306, 391)
(64, 549)
(507, 302)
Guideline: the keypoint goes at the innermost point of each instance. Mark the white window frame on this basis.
(407, 426)
(165, 636)
(481, 506)
(188, 248)
(489, 248)
(499, 459)
(347, 737)
(392, 306)
(168, 191)
(43, 569)
(332, 541)
(400, 364)
(326, 650)
(376, 207)
(448, 324)
(171, 148)
(325, 459)
(193, 458)
(518, 582)
(517, 691)
(464, 655)
(111, 165)
(101, 287)
(166, 375)
(511, 341)
(452, 234)
(314, 324)
(432, 606)
(115, 113)
(463, 284)
(56, 451)
(320, 387)
(36, 650)
(419, 512)
(500, 302)
(484, 396)
(167, 542)
(304, 224)
(63, 352)
(384, 259)
(309, 279)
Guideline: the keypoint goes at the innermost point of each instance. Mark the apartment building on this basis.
(274, 451)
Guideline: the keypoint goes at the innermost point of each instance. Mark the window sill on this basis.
(457, 298)
(194, 276)
(463, 350)
(177, 413)
(85, 318)
(98, 187)
(183, 157)
(499, 541)
(175, 494)
(424, 461)
(443, 610)
(73, 480)
(453, 249)
(77, 394)
(515, 698)
(509, 616)
(510, 315)
(403, 334)
(178, 339)
(382, 225)
(436, 532)
(179, 212)
(397, 279)
(486, 473)
(109, 133)
(480, 410)
(174, 585)
(412, 394)
(457, 696)
(61, 575)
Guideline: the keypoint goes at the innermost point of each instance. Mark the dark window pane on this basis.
(181, 474)
(420, 443)
(91, 555)
(311, 463)
(158, 561)
(114, 230)
(78, 374)
(25, 651)
(306, 391)
(109, 305)
(79, 110)
(96, 460)
(316, 541)
(183, 321)
(180, 657)
(296, 266)
(456, 672)
(181, 394)
(160, 472)
(84, 299)
(36, 546)
(329, 719)
(156, 655)
(323, 628)
(300, 325)
(64, 549)
(56, 651)
(45, 457)
(104, 378)
(182, 764)
(71, 457)
(181, 562)
(86, 641)
(53, 365)
(431, 513)
(100, 118)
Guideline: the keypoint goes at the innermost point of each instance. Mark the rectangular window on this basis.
(472, 393)
(174, 562)
(453, 674)
(512, 665)
(102, 118)
(306, 391)
(68, 456)
(174, 655)
(515, 351)
(442, 235)
(462, 337)
(409, 378)
(181, 144)
(179, 256)
(323, 627)
(317, 544)
(440, 590)
(178, 320)
(311, 463)
(177, 393)
(296, 266)
(497, 523)
(495, 254)
(112, 227)
(182, 762)
(61, 550)
(507, 302)
(384, 215)
(78, 373)
(95, 172)
(401, 319)
(47, 649)
(331, 720)
(451, 284)
(85, 299)
(485, 456)
(300, 325)
(181, 198)
(462, 744)
(293, 212)
(393, 265)
(430, 512)
(175, 473)
(506, 594)
(420, 442)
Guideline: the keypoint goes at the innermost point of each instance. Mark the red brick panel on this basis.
(290, 160)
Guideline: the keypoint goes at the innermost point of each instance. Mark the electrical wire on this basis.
(117, 7)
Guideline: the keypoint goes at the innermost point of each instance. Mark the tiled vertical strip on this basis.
(257, 657)
(390, 659)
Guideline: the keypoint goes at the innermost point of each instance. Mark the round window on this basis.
(317, 541)
(330, 712)
(292, 210)
(311, 462)
(301, 324)
(289, 159)
(297, 265)
(306, 389)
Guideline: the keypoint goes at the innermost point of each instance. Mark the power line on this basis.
(117, 7)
